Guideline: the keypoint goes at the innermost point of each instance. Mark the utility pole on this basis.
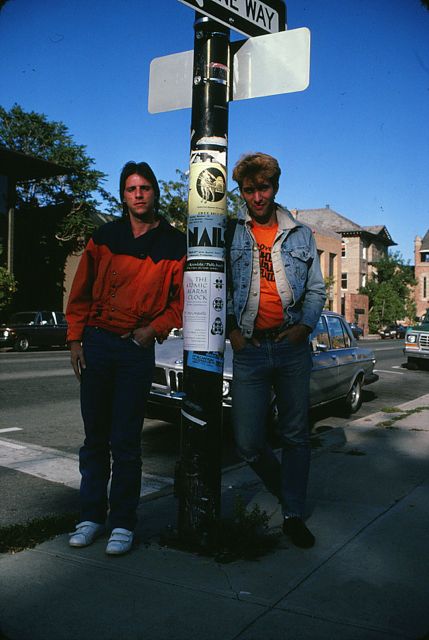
(198, 476)
(206, 79)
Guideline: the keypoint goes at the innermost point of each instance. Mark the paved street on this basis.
(41, 432)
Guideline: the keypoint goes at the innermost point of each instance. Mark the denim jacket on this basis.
(296, 269)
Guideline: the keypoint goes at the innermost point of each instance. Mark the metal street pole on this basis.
(198, 474)
(11, 197)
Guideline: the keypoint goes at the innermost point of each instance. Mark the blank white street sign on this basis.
(264, 66)
(170, 82)
(272, 64)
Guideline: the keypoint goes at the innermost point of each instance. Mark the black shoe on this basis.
(298, 533)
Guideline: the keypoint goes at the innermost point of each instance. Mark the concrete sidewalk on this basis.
(366, 578)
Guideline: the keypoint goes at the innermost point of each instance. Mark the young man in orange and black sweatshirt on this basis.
(127, 292)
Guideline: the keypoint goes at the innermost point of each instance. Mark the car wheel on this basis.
(22, 344)
(413, 364)
(354, 398)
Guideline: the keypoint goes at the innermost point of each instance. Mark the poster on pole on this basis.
(205, 300)
(206, 236)
(207, 188)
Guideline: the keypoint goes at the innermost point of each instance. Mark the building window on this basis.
(363, 280)
(425, 287)
(332, 260)
(424, 257)
(364, 252)
(344, 281)
(343, 249)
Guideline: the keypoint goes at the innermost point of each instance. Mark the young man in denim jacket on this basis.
(276, 294)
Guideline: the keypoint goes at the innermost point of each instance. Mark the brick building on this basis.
(421, 272)
(360, 250)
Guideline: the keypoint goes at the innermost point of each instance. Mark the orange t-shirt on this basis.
(270, 311)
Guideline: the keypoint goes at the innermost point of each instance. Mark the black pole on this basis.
(198, 477)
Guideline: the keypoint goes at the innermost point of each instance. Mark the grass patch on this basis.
(243, 536)
(391, 410)
(403, 414)
(18, 537)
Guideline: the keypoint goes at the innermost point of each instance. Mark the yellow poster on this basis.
(207, 188)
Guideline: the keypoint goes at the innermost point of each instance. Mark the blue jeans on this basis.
(114, 389)
(286, 368)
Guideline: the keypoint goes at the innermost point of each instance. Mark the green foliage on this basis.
(31, 133)
(173, 202)
(245, 535)
(17, 537)
(390, 293)
(329, 285)
(8, 286)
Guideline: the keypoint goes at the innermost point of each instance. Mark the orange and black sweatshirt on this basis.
(124, 282)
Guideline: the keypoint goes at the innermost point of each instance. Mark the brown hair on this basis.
(252, 164)
(143, 170)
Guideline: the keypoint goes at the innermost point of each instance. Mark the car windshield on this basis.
(23, 318)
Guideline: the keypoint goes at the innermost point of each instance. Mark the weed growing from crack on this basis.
(404, 413)
(243, 536)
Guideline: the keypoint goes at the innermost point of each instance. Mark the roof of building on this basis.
(327, 219)
(20, 166)
(425, 242)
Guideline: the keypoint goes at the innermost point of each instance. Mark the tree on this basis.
(31, 133)
(390, 292)
(174, 200)
(54, 216)
(8, 287)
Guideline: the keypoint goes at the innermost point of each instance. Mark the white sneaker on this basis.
(120, 542)
(85, 534)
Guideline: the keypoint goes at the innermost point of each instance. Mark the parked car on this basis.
(393, 331)
(357, 331)
(417, 344)
(27, 329)
(340, 368)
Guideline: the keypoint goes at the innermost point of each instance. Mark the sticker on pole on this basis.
(206, 361)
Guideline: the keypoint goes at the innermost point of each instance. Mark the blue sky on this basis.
(356, 139)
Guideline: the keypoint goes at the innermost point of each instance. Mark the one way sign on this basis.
(250, 17)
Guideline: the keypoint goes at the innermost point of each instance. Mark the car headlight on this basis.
(226, 386)
(6, 333)
(411, 337)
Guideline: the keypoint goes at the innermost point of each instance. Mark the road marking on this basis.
(11, 445)
(35, 358)
(398, 373)
(57, 466)
(10, 429)
(26, 375)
